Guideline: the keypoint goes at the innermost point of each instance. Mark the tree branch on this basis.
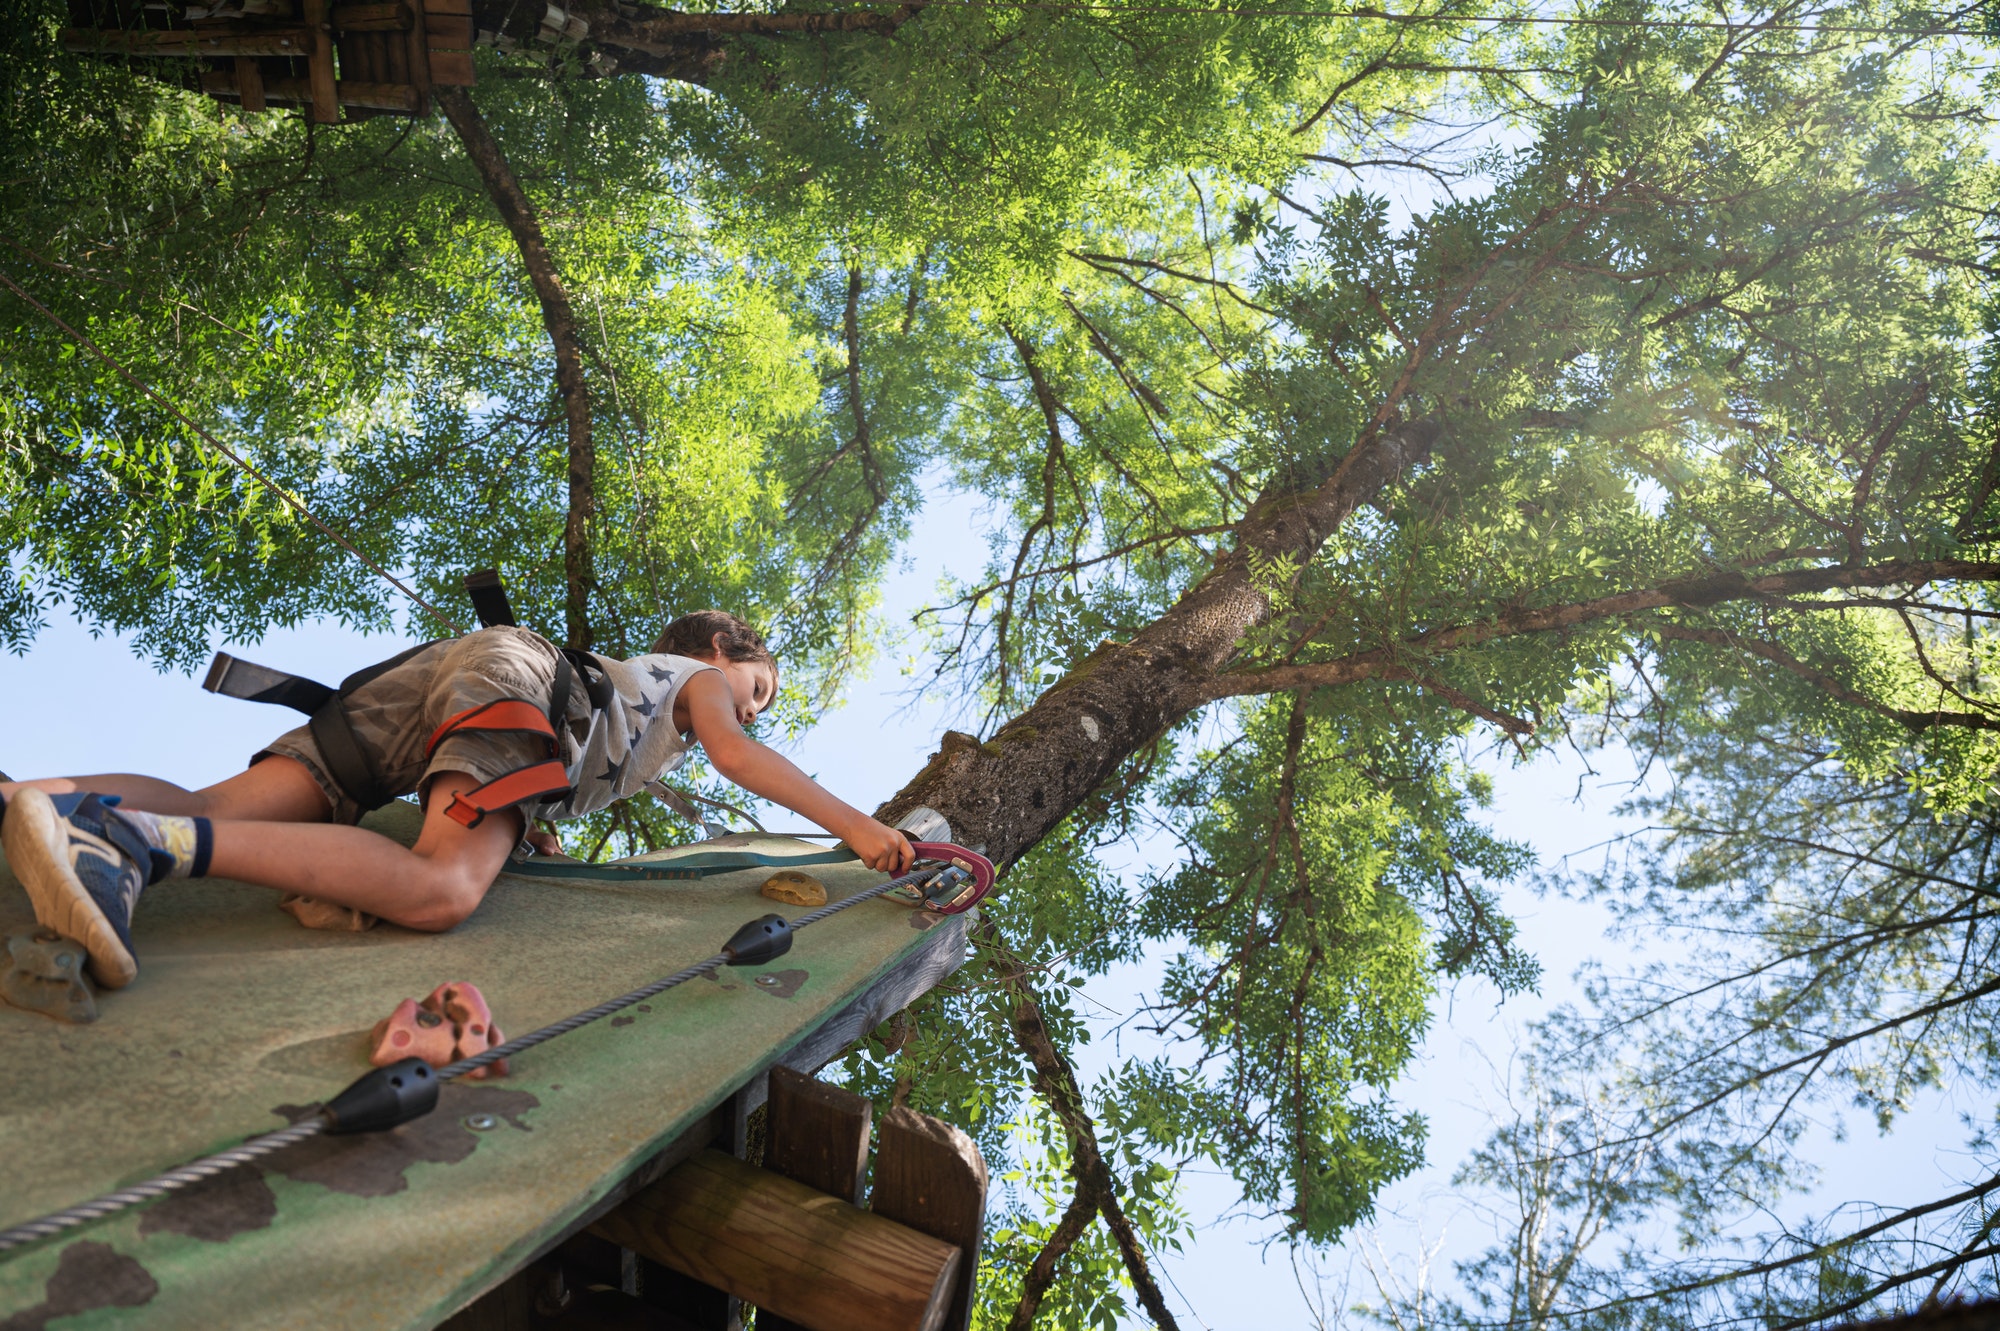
(1681, 593)
(1042, 1273)
(1055, 1081)
(1819, 679)
(560, 320)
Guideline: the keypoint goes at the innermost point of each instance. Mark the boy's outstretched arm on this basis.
(757, 769)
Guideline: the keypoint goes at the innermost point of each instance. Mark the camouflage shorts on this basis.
(395, 713)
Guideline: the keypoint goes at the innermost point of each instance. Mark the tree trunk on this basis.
(560, 321)
(1007, 793)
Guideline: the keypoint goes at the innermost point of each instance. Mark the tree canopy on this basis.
(1360, 396)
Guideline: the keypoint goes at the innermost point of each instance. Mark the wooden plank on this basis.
(449, 37)
(788, 1248)
(374, 96)
(354, 63)
(395, 48)
(391, 17)
(929, 1176)
(186, 42)
(250, 83)
(451, 69)
(319, 64)
(818, 1134)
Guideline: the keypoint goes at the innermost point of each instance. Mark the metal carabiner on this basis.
(963, 879)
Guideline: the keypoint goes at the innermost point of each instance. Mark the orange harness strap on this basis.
(506, 714)
(537, 781)
(542, 781)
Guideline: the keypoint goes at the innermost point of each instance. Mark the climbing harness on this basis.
(348, 762)
(542, 781)
(353, 771)
(948, 879)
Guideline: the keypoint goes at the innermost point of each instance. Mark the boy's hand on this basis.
(881, 848)
(544, 843)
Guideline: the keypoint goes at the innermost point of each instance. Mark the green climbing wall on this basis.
(240, 1019)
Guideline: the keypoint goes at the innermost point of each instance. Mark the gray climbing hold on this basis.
(44, 973)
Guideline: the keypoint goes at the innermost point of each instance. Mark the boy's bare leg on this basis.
(270, 829)
(279, 789)
(432, 885)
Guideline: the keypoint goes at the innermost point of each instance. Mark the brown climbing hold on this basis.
(44, 973)
(795, 888)
(325, 915)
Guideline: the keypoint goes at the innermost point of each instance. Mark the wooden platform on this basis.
(241, 1019)
(382, 56)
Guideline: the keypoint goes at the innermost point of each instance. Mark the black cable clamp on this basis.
(384, 1098)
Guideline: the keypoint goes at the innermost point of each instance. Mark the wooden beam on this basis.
(319, 64)
(186, 42)
(393, 17)
(786, 1247)
(250, 83)
(929, 1176)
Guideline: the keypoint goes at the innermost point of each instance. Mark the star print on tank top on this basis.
(611, 754)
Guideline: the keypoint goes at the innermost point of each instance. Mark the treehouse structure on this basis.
(369, 58)
(646, 1170)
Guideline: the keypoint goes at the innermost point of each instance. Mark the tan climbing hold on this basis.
(325, 915)
(795, 888)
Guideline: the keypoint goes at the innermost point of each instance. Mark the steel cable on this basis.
(160, 1185)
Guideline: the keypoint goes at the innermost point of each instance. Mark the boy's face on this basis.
(751, 683)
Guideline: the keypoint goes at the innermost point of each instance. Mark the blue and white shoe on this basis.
(84, 868)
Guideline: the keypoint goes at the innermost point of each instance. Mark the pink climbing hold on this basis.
(452, 1023)
(465, 1007)
(411, 1032)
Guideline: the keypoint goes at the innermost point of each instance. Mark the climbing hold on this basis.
(472, 1021)
(411, 1032)
(794, 888)
(452, 1023)
(44, 973)
(325, 915)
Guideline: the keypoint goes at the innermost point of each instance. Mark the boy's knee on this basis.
(448, 896)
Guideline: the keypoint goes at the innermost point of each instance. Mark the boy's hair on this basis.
(695, 634)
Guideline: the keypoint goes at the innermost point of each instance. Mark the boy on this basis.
(463, 723)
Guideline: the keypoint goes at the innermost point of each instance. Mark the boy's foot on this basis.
(84, 867)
